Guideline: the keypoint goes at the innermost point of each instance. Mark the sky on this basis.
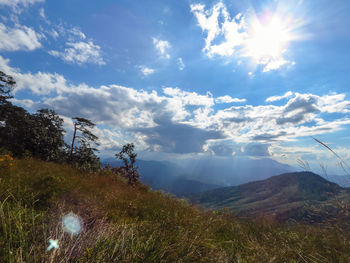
(188, 79)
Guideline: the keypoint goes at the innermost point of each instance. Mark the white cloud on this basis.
(230, 29)
(228, 99)
(146, 71)
(228, 36)
(75, 32)
(277, 98)
(180, 63)
(80, 53)
(42, 13)
(163, 120)
(18, 38)
(54, 34)
(162, 46)
(16, 3)
(273, 63)
(39, 83)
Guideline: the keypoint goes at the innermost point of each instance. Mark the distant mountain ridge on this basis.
(286, 196)
(167, 177)
(193, 176)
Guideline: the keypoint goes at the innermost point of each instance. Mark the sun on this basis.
(267, 41)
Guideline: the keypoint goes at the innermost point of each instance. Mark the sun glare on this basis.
(267, 41)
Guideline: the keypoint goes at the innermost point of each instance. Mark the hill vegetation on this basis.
(123, 223)
(302, 196)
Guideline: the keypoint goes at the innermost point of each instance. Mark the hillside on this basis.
(288, 196)
(121, 223)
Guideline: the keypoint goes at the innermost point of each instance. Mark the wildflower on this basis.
(8, 157)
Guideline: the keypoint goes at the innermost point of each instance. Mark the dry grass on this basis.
(135, 224)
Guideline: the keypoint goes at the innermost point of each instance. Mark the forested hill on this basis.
(287, 196)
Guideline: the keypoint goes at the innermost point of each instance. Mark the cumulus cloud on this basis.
(299, 109)
(162, 46)
(175, 120)
(146, 71)
(80, 53)
(257, 150)
(19, 38)
(277, 98)
(168, 136)
(228, 99)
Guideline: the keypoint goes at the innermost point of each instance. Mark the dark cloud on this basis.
(222, 149)
(177, 137)
(256, 149)
(297, 108)
(268, 136)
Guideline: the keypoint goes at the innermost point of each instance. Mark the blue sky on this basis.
(188, 79)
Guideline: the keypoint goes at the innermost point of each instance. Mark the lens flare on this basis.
(72, 224)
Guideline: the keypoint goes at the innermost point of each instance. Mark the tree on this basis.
(47, 140)
(7, 84)
(16, 129)
(128, 156)
(83, 125)
(14, 120)
(84, 156)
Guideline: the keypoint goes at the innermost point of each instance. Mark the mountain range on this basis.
(167, 177)
(300, 196)
(194, 176)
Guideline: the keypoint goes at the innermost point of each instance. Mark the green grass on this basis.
(134, 224)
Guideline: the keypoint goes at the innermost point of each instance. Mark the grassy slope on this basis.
(134, 224)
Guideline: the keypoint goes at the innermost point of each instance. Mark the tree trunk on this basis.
(71, 149)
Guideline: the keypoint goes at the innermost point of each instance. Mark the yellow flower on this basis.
(8, 157)
(1, 160)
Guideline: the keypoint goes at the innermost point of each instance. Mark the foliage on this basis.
(15, 131)
(47, 140)
(84, 156)
(41, 133)
(86, 136)
(6, 86)
(128, 156)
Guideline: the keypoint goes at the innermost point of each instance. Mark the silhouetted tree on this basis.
(128, 156)
(7, 84)
(84, 156)
(47, 140)
(86, 136)
(16, 129)
(40, 134)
